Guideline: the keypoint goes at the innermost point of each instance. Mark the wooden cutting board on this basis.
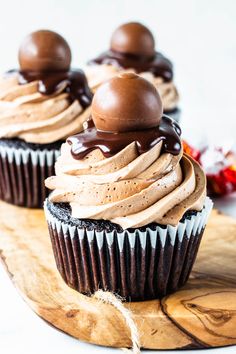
(201, 315)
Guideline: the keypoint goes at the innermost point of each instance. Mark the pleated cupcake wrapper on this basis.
(137, 265)
(22, 175)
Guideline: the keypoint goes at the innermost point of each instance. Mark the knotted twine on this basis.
(111, 299)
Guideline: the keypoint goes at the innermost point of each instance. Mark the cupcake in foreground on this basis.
(132, 47)
(128, 209)
(41, 104)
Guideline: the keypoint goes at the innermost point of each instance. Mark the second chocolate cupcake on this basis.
(132, 47)
(41, 104)
(128, 209)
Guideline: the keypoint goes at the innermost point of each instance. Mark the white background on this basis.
(199, 36)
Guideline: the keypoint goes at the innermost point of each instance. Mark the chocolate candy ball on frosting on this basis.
(126, 103)
(133, 38)
(44, 51)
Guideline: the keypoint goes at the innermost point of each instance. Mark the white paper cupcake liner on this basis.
(22, 175)
(136, 264)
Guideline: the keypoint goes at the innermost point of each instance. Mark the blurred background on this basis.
(199, 37)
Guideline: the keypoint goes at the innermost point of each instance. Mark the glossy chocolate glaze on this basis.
(158, 65)
(73, 82)
(112, 143)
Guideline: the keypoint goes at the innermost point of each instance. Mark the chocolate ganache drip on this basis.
(73, 82)
(133, 47)
(45, 56)
(111, 143)
(158, 65)
(126, 109)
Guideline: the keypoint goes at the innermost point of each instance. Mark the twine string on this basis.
(109, 298)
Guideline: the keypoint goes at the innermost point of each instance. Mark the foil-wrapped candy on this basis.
(219, 164)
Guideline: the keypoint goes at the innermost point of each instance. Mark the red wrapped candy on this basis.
(219, 164)
(194, 153)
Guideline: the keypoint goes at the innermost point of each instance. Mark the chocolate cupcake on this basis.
(132, 47)
(41, 104)
(128, 209)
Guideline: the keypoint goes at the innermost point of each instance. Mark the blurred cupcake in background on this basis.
(127, 209)
(41, 104)
(132, 48)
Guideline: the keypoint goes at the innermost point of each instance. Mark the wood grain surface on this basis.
(201, 315)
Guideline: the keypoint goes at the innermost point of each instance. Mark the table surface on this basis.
(23, 332)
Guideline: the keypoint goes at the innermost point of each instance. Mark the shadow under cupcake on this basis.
(41, 104)
(128, 209)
